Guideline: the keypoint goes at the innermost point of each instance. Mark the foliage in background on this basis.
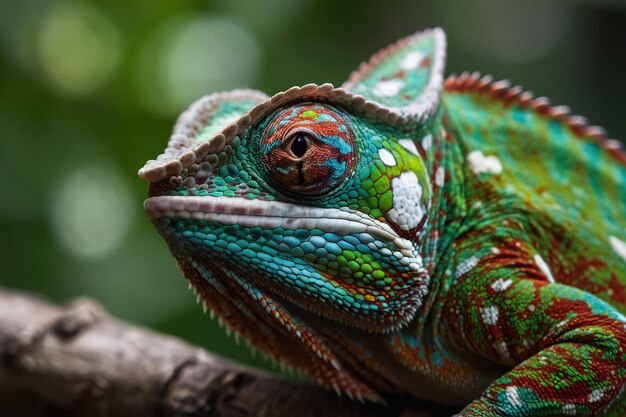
(89, 90)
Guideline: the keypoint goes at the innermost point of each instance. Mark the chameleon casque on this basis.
(458, 241)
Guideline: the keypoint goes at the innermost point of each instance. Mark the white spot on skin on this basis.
(388, 88)
(495, 251)
(490, 315)
(531, 308)
(412, 60)
(427, 142)
(466, 266)
(513, 397)
(501, 285)
(480, 163)
(596, 395)
(387, 157)
(409, 145)
(408, 210)
(543, 266)
(619, 246)
(440, 177)
(569, 410)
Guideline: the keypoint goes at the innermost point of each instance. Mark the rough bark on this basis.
(77, 360)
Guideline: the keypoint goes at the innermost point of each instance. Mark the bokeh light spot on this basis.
(79, 48)
(91, 212)
(192, 56)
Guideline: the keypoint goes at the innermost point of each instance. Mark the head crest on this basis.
(401, 84)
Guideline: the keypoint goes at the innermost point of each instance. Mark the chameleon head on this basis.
(305, 207)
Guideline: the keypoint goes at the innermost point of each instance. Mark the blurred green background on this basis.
(90, 89)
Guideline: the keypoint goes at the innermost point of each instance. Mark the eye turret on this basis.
(308, 149)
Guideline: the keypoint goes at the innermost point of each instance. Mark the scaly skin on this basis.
(460, 242)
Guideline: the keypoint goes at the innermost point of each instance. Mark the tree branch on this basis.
(80, 361)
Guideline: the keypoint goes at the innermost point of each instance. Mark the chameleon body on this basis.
(458, 241)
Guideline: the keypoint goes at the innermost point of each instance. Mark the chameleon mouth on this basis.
(272, 214)
(233, 289)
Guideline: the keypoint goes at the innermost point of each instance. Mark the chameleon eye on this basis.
(308, 148)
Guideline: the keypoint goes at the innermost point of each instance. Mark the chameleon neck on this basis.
(448, 208)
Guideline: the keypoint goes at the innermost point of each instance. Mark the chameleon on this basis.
(456, 240)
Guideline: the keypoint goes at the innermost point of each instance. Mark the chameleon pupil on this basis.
(299, 146)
